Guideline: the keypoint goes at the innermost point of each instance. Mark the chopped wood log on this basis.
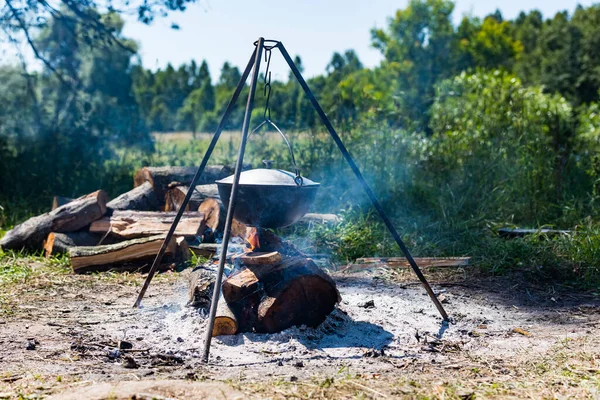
(215, 214)
(258, 258)
(134, 224)
(161, 177)
(58, 201)
(59, 243)
(124, 255)
(176, 194)
(225, 320)
(292, 292)
(67, 218)
(202, 284)
(209, 250)
(141, 198)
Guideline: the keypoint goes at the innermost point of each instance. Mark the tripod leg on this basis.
(354, 167)
(232, 199)
(199, 172)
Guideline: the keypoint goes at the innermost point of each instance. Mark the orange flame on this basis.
(252, 239)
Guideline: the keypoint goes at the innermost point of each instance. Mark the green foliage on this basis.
(501, 148)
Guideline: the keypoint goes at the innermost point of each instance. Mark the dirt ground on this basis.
(507, 339)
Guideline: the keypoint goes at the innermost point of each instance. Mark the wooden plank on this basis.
(401, 262)
(89, 258)
(134, 224)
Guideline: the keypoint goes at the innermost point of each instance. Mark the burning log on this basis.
(161, 177)
(215, 214)
(141, 198)
(175, 195)
(59, 243)
(128, 255)
(67, 218)
(277, 296)
(133, 224)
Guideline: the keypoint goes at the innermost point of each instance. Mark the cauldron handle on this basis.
(298, 179)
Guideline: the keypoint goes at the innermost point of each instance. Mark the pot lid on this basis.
(268, 177)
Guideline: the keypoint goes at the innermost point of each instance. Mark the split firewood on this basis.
(127, 255)
(67, 218)
(161, 177)
(402, 262)
(141, 198)
(58, 201)
(202, 284)
(225, 320)
(133, 224)
(215, 214)
(59, 243)
(176, 194)
(208, 250)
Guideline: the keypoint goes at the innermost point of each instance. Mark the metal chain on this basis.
(267, 115)
(267, 89)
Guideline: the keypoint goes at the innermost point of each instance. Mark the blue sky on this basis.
(223, 30)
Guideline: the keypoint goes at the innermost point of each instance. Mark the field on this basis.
(508, 338)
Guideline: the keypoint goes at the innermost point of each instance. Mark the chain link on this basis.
(267, 89)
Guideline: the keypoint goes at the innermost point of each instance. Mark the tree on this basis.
(21, 20)
(491, 45)
(417, 46)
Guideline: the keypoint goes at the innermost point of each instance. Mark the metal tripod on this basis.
(254, 67)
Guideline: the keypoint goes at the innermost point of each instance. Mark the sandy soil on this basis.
(63, 339)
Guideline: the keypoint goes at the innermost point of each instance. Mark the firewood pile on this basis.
(125, 233)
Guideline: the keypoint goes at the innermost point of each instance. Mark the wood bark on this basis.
(292, 292)
(67, 218)
(226, 322)
(59, 243)
(202, 284)
(130, 254)
(134, 224)
(161, 177)
(58, 201)
(176, 194)
(215, 214)
(141, 198)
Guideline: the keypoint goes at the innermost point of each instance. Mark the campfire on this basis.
(272, 286)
